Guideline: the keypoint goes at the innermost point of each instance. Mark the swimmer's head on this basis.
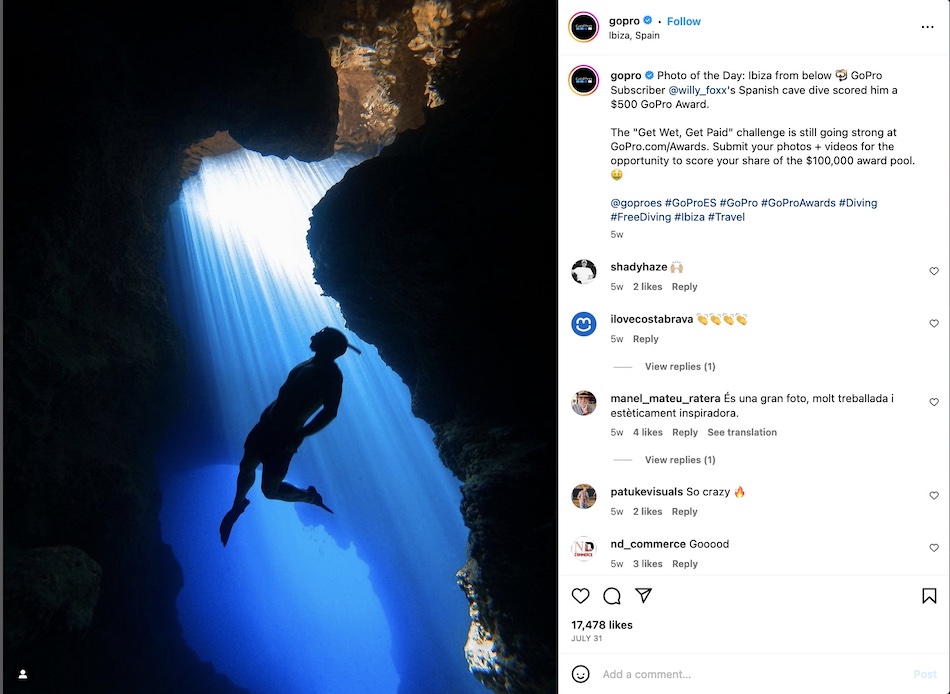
(331, 343)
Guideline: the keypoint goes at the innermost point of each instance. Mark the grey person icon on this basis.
(583, 271)
(584, 403)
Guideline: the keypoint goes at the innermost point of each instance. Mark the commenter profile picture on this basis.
(583, 548)
(583, 80)
(583, 496)
(583, 403)
(583, 271)
(583, 324)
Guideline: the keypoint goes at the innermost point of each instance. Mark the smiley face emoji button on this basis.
(580, 674)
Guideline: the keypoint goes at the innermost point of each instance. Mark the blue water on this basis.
(365, 600)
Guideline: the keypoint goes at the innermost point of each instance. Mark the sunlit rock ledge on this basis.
(390, 57)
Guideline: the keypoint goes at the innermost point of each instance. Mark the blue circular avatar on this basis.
(584, 324)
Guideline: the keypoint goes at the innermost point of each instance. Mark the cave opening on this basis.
(365, 599)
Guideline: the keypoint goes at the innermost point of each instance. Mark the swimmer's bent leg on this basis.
(274, 487)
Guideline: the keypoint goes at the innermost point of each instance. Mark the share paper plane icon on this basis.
(644, 593)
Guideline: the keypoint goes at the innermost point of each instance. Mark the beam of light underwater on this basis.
(361, 601)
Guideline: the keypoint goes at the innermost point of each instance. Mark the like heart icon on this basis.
(934, 547)
(934, 495)
(580, 594)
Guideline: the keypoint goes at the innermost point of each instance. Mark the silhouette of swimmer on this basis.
(311, 385)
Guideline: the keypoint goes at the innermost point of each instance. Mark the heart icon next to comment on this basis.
(934, 495)
(934, 401)
(580, 594)
(934, 270)
(934, 547)
(934, 322)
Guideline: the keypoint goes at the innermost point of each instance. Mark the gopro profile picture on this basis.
(583, 548)
(584, 26)
(583, 80)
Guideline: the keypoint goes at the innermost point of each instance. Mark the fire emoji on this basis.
(740, 493)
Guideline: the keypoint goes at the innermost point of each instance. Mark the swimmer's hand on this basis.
(295, 442)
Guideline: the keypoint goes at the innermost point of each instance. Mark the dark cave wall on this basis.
(93, 363)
